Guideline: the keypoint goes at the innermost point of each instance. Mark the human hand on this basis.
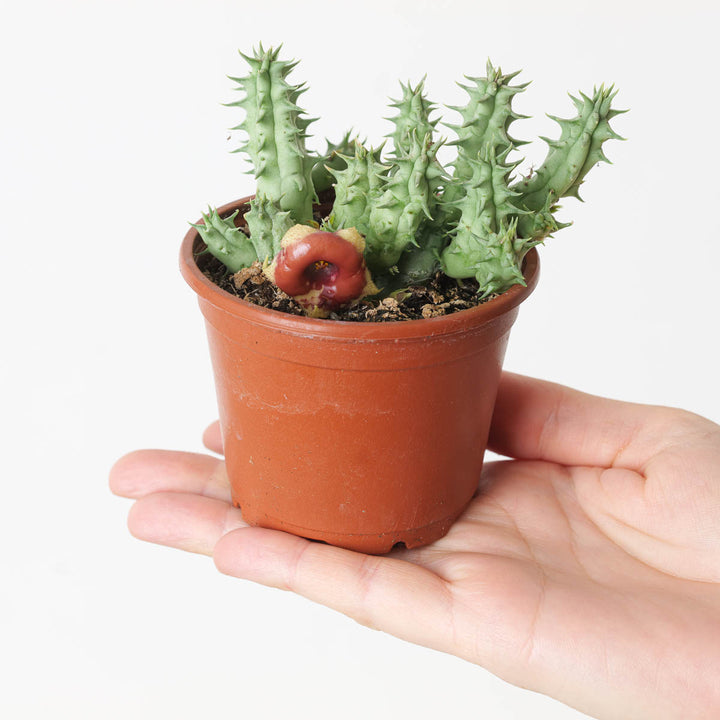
(587, 568)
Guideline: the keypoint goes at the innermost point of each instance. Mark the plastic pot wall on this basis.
(362, 435)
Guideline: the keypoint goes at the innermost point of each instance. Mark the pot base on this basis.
(373, 544)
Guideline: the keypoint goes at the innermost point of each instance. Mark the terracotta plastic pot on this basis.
(362, 435)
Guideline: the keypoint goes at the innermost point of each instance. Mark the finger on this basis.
(149, 471)
(212, 438)
(380, 592)
(539, 420)
(184, 521)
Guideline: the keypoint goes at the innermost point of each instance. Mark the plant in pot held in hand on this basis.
(367, 434)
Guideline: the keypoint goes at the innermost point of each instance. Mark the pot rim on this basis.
(445, 324)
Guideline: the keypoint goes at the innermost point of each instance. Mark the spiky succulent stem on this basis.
(479, 222)
(397, 214)
(332, 159)
(485, 244)
(357, 187)
(571, 157)
(276, 127)
(267, 225)
(226, 242)
(486, 119)
(414, 110)
(420, 262)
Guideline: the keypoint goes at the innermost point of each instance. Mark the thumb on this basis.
(674, 531)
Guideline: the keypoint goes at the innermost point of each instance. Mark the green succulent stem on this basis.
(358, 186)
(484, 243)
(225, 241)
(420, 262)
(485, 122)
(569, 158)
(414, 111)
(276, 128)
(397, 214)
(267, 225)
(477, 219)
(332, 159)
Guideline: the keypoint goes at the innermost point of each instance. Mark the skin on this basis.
(587, 568)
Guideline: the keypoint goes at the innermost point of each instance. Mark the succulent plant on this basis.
(276, 129)
(477, 219)
(226, 241)
(358, 187)
(571, 157)
(485, 244)
(267, 224)
(413, 117)
(332, 159)
(486, 119)
(410, 188)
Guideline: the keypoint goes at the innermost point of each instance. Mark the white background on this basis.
(113, 138)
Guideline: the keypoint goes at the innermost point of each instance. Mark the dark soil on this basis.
(442, 295)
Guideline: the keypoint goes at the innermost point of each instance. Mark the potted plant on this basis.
(358, 306)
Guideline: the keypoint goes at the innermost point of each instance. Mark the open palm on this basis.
(588, 568)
